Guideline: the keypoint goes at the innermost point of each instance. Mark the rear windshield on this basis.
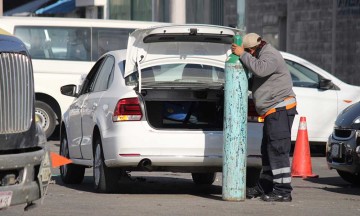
(180, 74)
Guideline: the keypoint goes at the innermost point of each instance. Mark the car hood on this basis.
(346, 119)
(178, 43)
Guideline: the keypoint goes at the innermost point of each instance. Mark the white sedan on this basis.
(320, 98)
(156, 106)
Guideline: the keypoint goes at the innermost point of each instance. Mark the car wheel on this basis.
(70, 173)
(203, 178)
(105, 178)
(350, 177)
(46, 117)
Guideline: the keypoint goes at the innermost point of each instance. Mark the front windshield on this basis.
(182, 74)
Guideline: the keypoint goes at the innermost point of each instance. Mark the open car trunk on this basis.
(184, 108)
(179, 72)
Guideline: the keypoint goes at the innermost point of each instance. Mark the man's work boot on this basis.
(253, 192)
(273, 197)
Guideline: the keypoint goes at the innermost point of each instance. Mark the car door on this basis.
(317, 104)
(93, 111)
(75, 129)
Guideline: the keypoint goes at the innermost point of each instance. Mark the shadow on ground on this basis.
(341, 186)
(149, 185)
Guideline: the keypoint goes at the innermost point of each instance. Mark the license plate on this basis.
(5, 199)
(45, 174)
(335, 151)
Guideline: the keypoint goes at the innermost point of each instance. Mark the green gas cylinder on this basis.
(237, 39)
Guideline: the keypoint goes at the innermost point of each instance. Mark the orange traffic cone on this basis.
(301, 164)
(58, 160)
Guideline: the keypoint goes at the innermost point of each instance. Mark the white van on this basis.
(62, 49)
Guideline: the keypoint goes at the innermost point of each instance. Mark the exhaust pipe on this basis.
(145, 164)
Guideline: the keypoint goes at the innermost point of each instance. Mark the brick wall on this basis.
(348, 41)
(311, 32)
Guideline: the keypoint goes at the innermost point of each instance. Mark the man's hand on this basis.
(237, 50)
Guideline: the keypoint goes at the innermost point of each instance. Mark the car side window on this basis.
(104, 76)
(131, 79)
(302, 76)
(89, 81)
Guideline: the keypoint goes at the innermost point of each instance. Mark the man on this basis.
(275, 101)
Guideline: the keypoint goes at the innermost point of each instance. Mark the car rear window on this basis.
(183, 73)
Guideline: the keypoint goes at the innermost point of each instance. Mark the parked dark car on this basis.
(24, 159)
(343, 147)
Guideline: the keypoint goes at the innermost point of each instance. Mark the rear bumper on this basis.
(126, 146)
(185, 164)
(26, 167)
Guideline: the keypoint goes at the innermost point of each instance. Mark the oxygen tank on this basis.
(235, 128)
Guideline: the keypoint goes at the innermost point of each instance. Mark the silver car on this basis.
(157, 106)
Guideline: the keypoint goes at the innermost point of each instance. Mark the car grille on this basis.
(342, 133)
(16, 93)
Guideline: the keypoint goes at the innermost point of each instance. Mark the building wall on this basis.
(325, 32)
(216, 12)
(230, 13)
(310, 31)
(347, 41)
(267, 19)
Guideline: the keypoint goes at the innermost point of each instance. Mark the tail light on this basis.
(127, 109)
(253, 116)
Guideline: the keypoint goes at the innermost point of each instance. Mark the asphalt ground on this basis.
(155, 193)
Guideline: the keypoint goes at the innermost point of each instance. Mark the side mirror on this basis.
(325, 84)
(68, 90)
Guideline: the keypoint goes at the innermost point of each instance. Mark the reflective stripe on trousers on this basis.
(275, 149)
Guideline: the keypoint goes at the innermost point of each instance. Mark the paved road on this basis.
(175, 194)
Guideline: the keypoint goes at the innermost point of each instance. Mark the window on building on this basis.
(205, 11)
(130, 10)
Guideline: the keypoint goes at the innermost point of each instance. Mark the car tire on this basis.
(70, 173)
(46, 116)
(203, 178)
(105, 178)
(350, 177)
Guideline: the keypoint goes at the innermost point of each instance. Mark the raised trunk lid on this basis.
(196, 44)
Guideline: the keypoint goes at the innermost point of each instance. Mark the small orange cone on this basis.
(58, 160)
(301, 164)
